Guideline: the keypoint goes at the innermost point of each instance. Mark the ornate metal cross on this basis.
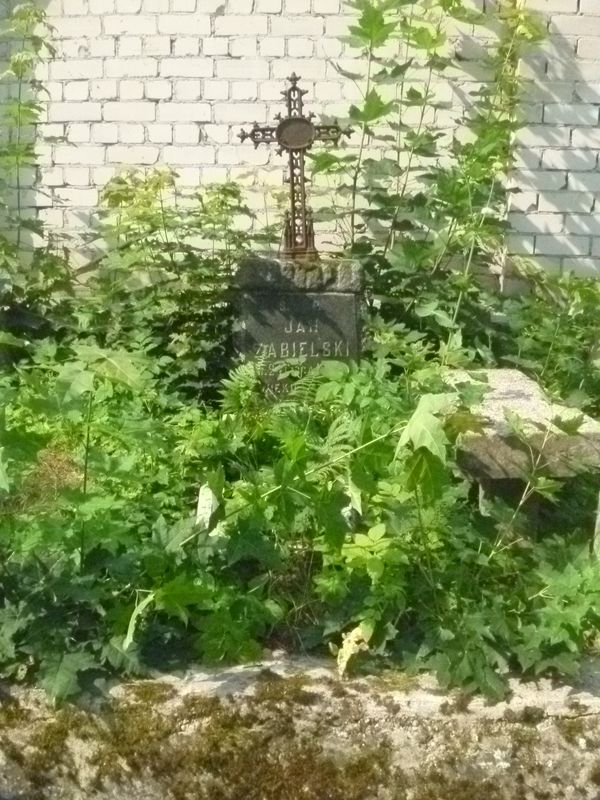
(295, 134)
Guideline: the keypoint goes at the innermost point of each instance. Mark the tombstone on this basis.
(298, 306)
(494, 453)
(287, 310)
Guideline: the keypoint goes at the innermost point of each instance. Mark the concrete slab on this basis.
(287, 728)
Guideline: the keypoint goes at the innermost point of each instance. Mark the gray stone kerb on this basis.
(327, 274)
(496, 453)
(292, 729)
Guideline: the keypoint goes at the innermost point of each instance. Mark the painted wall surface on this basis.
(145, 82)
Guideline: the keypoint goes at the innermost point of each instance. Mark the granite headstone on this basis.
(293, 310)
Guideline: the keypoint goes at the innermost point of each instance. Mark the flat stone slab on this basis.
(497, 453)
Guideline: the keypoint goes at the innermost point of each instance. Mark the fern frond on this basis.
(243, 386)
(304, 390)
(285, 423)
(342, 437)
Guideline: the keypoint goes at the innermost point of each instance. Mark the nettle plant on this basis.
(422, 200)
(332, 517)
(161, 283)
(424, 208)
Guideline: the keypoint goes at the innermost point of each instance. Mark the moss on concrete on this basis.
(289, 738)
(211, 749)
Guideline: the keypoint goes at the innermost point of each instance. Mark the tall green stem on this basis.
(19, 136)
(411, 155)
(361, 150)
(86, 471)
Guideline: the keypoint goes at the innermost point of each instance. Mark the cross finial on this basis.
(295, 134)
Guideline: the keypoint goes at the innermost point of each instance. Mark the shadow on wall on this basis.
(555, 216)
(555, 185)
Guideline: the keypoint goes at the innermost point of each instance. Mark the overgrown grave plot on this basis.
(343, 521)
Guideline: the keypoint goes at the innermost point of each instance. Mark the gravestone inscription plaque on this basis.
(290, 311)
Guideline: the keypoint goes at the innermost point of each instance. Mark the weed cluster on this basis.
(334, 517)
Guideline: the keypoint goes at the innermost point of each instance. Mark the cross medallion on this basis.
(295, 134)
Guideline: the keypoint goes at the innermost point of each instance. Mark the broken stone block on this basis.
(496, 452)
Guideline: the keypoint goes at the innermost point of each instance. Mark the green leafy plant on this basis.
(162, 284)
(34, 276)
(334, 516)
(24, 35)
(551, 332)
(423, 211)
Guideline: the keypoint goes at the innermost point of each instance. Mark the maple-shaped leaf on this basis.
(427, 431)
(373, 108)
(60, 673)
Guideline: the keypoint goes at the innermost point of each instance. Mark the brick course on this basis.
(561, 223)
(171, 81)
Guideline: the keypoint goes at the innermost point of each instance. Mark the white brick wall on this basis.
(172, 81)
(556, 213)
